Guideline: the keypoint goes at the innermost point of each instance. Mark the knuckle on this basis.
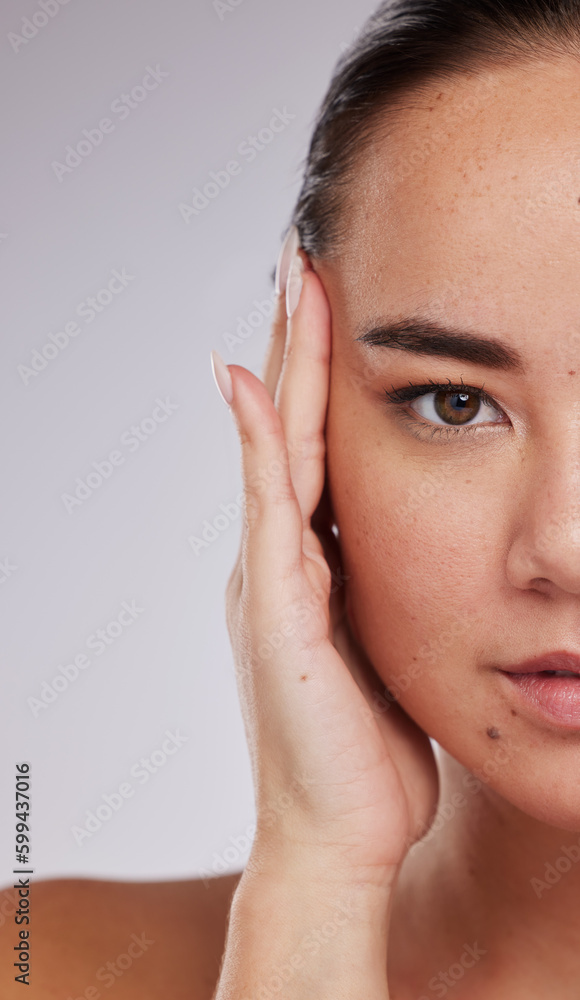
(270, 485)
(309, 447)
(253, 503)
(281, 493)
(245, 438)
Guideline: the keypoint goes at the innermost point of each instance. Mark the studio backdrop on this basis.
(151, 156)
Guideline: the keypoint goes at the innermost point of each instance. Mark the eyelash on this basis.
(408, 394)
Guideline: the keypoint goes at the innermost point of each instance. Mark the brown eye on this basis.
(456, 407)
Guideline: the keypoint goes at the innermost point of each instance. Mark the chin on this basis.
(519, 773)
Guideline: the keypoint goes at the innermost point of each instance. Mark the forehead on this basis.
(470, 202)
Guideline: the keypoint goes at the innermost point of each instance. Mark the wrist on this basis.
(314, 937)
(307, 860)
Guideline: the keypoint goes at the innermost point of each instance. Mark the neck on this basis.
(493, 879)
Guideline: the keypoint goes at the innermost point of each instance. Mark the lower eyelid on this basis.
(428, 432)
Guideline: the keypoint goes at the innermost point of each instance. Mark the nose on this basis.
(545, 551)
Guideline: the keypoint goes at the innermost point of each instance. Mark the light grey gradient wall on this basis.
(97, 517)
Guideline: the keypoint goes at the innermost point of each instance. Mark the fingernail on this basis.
(222, 377)
(294, 286)
(287, 251)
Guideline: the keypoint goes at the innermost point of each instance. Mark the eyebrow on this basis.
(424, 336)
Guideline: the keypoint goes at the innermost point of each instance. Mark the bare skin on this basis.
(480, 230)
(484, 235)
(80, 925)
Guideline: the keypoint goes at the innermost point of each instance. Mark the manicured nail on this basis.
(294, 286)
(222, 377)
(287, 251)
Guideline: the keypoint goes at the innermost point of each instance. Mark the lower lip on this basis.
(557, 698)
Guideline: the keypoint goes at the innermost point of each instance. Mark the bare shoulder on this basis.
(148, 940)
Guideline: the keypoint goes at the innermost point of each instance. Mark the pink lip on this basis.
(556, 699)
(560, 660)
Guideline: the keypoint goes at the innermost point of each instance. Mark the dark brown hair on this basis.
(404, 45)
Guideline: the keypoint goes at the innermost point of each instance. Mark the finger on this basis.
(302, 393)
(275, 349)
(274, 357)
(273, 525)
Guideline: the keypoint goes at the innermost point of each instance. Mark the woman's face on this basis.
(459, 519)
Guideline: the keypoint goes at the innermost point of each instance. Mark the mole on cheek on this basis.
(492, 732)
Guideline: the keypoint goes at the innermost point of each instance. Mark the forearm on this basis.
(305, 937)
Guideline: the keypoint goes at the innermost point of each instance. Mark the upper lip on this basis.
(560, 660)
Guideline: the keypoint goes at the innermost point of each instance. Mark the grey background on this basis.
(68, 567)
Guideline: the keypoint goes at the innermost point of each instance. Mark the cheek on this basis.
(426, 598)
(413, 575)
(418, 553)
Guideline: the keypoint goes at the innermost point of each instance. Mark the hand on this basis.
(366, 779)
